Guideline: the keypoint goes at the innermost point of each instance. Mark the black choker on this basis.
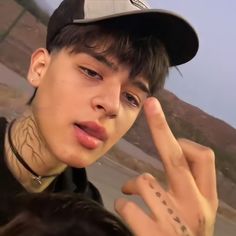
(37, 178)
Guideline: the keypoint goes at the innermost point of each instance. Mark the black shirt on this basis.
(71, 180)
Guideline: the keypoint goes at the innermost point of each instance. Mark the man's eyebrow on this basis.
(103, 60)
(142, 86)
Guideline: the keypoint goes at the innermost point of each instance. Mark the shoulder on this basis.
(76, 180)
(85, 186)
(3, 124)
(3, 121)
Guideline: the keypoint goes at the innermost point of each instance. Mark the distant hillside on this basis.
(190, 122)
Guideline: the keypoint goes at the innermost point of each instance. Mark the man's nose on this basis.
(107, 101)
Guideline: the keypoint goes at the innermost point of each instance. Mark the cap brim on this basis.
(178, 36)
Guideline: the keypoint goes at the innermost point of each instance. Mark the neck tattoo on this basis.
(37, 178)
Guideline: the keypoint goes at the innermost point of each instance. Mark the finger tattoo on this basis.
(183, 228)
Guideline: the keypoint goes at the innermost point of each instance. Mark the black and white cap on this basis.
(178, 36)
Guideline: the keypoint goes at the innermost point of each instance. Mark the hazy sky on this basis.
(209, 80)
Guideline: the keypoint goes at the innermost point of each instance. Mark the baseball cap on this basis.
(177, 35)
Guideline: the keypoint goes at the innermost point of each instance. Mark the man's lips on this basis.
(90, 134)
(94, 130)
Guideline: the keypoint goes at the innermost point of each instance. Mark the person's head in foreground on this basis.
(58, 215)
(101, 62)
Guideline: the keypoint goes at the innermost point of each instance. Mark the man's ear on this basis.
(40, 60)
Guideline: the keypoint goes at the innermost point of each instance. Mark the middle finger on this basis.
(175, 164)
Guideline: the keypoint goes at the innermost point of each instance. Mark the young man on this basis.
(103, 59)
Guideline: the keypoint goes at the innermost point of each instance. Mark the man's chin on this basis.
(80, 161)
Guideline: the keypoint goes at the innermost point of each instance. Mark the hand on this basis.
(188, 206)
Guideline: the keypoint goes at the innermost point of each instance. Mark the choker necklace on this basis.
(37, 178)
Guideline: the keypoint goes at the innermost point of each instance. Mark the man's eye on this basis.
(131, 99)
(90, 73)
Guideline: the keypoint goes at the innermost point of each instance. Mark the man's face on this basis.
(84, 105)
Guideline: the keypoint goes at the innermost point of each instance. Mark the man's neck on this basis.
(30, 146)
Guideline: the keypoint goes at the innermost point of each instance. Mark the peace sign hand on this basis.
(188, 207)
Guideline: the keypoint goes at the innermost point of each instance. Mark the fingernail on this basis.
(152, 106)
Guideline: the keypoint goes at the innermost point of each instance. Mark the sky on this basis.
(209, 80)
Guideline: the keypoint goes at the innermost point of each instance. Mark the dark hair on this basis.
(44, 214)
(144, 54)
